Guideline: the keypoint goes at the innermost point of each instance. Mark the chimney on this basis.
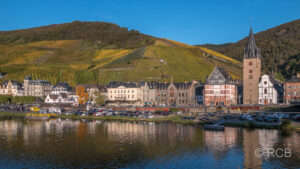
(298, 74)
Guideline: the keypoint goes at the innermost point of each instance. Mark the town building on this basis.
(123, 94)
(176, 94)
(148, 93)
(220, 89)
(11, 87)
(270, 90)
(182, 94)
(62, 98)
(62, 87)
(39, 88)
(292, 90)
(251, 71)
(161, 94)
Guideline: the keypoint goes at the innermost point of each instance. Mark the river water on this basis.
(98, 144)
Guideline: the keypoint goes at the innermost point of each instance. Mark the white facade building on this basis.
(62, 87)
(62, 98)
(11, 87)
(123, 94)
(269, 90)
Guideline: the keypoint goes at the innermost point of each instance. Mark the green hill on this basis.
(280, 47)
(53, 54)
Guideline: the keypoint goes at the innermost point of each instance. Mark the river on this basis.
(98, 144)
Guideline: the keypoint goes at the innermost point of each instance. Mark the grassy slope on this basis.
(76, 62)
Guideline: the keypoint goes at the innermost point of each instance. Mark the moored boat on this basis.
(215, 127)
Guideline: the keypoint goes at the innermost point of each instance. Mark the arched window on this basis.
(172, 92)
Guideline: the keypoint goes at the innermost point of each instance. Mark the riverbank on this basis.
(172, 119)
(165, 119)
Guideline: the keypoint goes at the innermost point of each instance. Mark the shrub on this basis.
(285, 123)
(5, 98)
(24, 99)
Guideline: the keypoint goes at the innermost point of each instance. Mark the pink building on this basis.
(220, 89)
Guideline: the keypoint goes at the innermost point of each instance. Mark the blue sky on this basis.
(188, 21)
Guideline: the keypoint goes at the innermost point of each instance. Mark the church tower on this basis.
(251, 71)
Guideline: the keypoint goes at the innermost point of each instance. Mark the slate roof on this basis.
(39, 82)
(151, 85)
(115, 84)
(219, 76)
(251, 50)
(64, 85)
(55, 96)
(183, 86)
(294, 79)
(14, 82)
(27, 78)
(162, 86)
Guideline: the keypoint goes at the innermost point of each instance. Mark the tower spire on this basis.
(251, 50)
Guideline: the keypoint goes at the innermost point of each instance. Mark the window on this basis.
(265, 91)
(265, 82)
(250, 71)
(132, 96)
(250, 63)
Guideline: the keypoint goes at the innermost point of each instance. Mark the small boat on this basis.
(40, 116)
(215, 127)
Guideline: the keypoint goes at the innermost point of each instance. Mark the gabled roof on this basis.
(219, 76)
(251, 50)
(276, 84)
(14, 82)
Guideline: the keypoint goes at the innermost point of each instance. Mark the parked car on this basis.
(228, 117)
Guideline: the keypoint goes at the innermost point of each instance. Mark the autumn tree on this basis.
(83, 96)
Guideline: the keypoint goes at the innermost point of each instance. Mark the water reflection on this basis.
(88, 144)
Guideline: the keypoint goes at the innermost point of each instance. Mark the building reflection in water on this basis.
(250, 144)
(151, 139)
(219, 142)
(148, 133)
